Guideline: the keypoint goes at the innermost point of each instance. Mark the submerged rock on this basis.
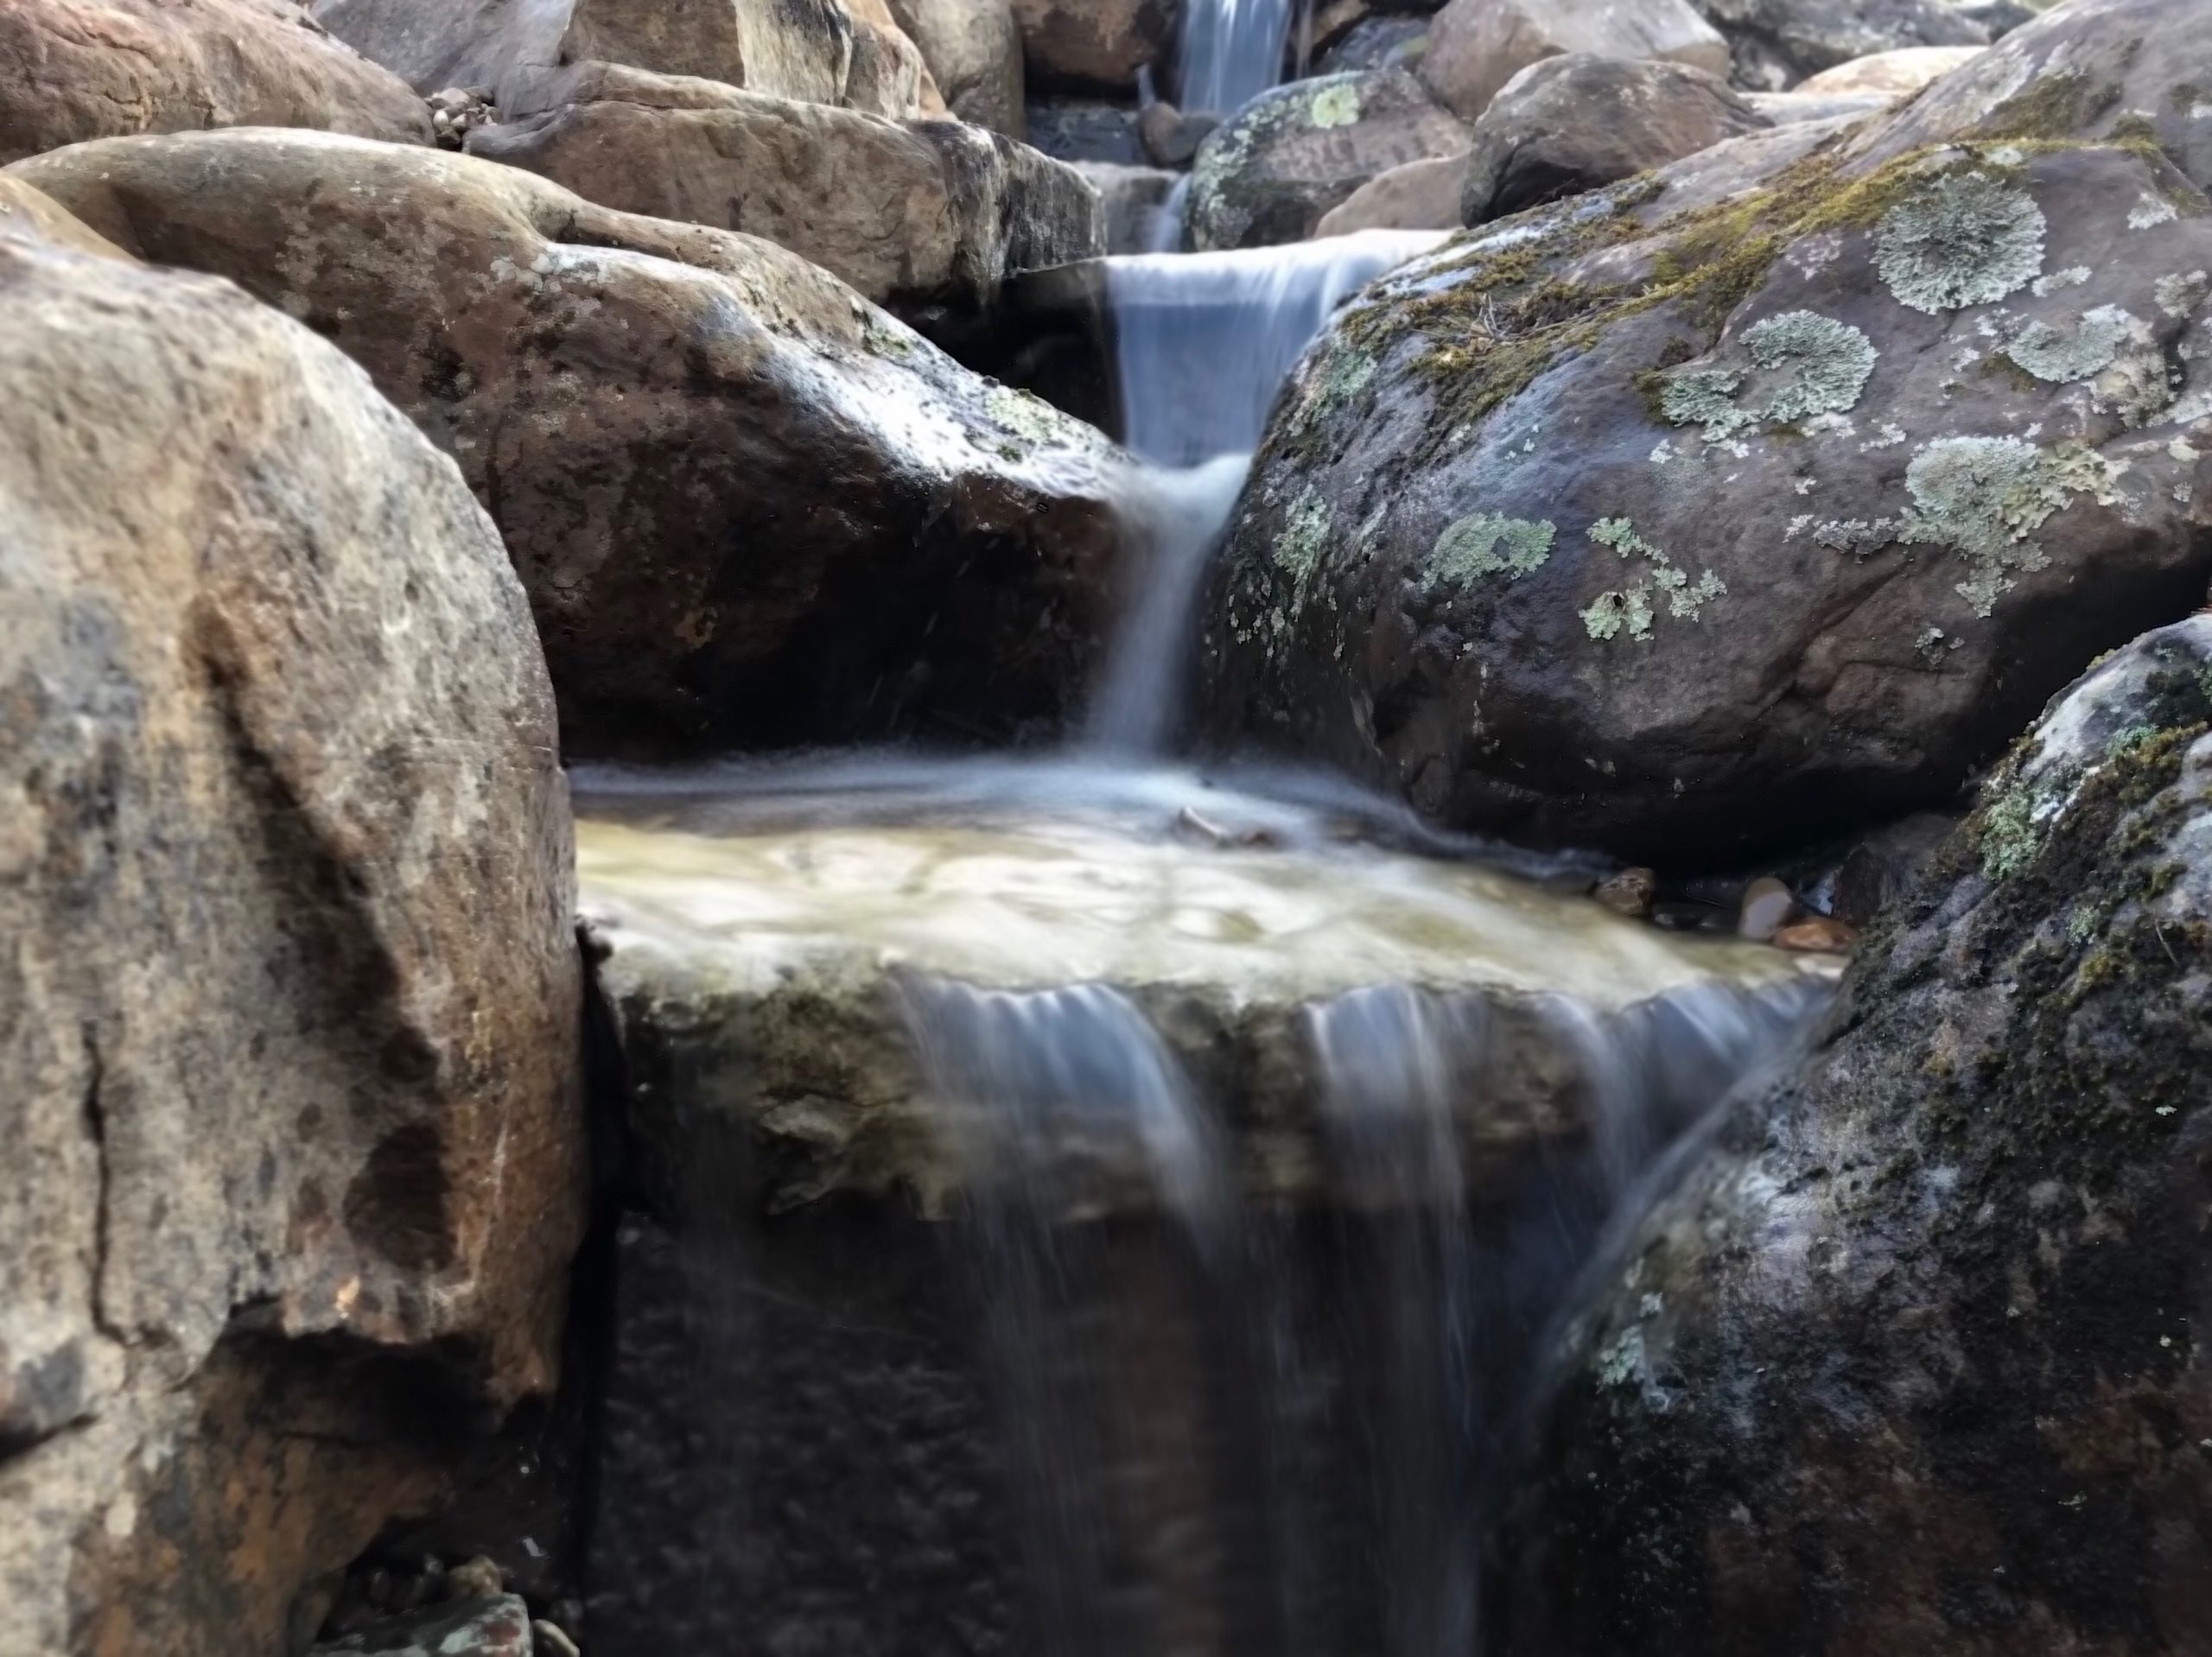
(1947, 1281)
(1777, 43)
(1476, 46)
(748, 507)
(77, 69)
(1573, 122)
(1683, 518)
(1269, 174)
(289, 1009)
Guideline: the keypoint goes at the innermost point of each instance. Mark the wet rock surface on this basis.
(1574, 122)
(1860, 467)
(76, 69)
(1947, 1281)
(289, 1038)
(747, 505)
(1269, 174)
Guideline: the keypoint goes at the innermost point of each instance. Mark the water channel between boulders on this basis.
(1103, 1207)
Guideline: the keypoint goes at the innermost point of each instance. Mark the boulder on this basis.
(1573, 122)
(973, 50)
(1777, 44)
(1421, 196)
(1085, 129)
(916, 215)
(1171, 138)
(748, 506)
(1946, 1281)
(818, 51)
(1137, 200)
(1475, 47)
(1093, 44)
(1684, 520)
(2126, 70)
(1383, 41)
(77, 69)
(1889, 74)
(290, 1004)
(1268, 175)
(1792, 109)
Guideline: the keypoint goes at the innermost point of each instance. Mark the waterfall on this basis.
(1203, 342)
(1232, 51)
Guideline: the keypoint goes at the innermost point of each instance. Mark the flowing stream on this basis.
(1256, 1129)
(1234, 50)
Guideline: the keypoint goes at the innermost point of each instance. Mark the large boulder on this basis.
(1093, 44)
(918, 215)
(1475, 47)
(973, 50)
(77, 69)
(1678, 521)
(1573, 122)
(1270, 173)
(836, 52)
(1889, 74)
(748, 506)
(1777, 44)
(290, 1003)
(1913, 1363)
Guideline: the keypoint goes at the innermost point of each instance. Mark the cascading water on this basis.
(1234, 50)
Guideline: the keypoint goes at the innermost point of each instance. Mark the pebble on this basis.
(1631, 892)
(1767, 908)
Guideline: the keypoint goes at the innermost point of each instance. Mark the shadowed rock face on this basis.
(748, 506)
(1678, 523)
(1914, 1361)
(289, 1003)
(1093, 44)
(974, 49)
(76, 69)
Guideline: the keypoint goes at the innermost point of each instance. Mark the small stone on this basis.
(1767, 908)
(1817, 936)
(1631, 892)
(480, 1577)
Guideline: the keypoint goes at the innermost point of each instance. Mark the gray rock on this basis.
(1170, 138)
(1945, 1282)
(489, 1625)
(1135, 198)
(289, 1051)
(1382, 41)
(76, 69)
(660, 416)
(1793, 109)
(1270, 173)
(1476, 46)
(1777, 44)
(1083, 129)
(1678, 527)
(1573, 122)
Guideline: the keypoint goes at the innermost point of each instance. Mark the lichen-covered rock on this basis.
(1777, 44)
(1832, 482)
(973, 50)
(1270, 173)
(1475, 47)
(748, 506)
(76, 69)
(1915, 1361)
(916, 215)
(1093, 44)
(820, 51)
(2121, 71)
(1573, 122)
(290, 997)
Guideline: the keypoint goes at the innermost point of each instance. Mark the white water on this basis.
(1233, 50)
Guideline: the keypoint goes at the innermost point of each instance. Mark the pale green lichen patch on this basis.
(1026, 415)
(1486, 544)
(1304, 538)
(1986, 498)
(2181, 296)
(1969, 239)
(2064, 356)
(1336, 105)
(1803, 365)
(1632, 609)
(2072, 276)
(2151, 211)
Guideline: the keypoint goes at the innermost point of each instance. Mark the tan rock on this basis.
(973, 50)
(289, 1003)
(1097, 45)
(748, 507)
(1889, 74)
(889, 75)
(1475, 45)
(1420, 195)
(28, 215)
(1631, 892)
(1768, 907)
(1818, 936)
(77, 69)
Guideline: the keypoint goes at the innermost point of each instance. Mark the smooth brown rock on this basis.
(1475, 47)
(1421, 196)
(1093, 44)
(1574, 122)
(1888, 75)
(1631, 892)
(889, 75)
(1817, 934)
(974, 51)
(913, 215)
(290, 1004)
(748, 507)
(77, 69)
